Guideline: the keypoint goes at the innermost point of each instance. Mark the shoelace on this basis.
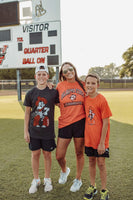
(63, 175)
(47, 181)
(76, 182)
(90, 190)
(103, 195)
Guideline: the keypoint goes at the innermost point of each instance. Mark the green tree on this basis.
(127, 67)
(97, 70)
(82, 78)
(27, 73)
(111, 71)
(8, 74)
(108, 71)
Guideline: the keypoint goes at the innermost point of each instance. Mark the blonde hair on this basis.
(94, 76)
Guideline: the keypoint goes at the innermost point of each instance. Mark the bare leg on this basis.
(35, 156)
(92, 170)
(79, 150)
(103, 173)
(47, 163)
(61, 149)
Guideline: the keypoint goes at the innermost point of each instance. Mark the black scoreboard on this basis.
(9, 14)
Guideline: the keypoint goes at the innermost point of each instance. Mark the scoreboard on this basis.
(30, 44)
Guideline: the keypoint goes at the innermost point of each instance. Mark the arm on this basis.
(101, 146)
(26, 124)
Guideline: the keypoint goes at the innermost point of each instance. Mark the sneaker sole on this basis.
(48, 190)
(85, 198)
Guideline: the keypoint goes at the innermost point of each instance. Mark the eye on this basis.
(87, 82)
(93, 83)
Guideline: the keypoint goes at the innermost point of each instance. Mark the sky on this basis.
(95, 32)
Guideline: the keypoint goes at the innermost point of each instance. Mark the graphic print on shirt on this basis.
(91, 116)
(41, 114)
(72, 97)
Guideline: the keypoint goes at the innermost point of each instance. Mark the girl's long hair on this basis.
(62, 78)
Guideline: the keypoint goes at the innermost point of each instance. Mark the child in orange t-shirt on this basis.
(97, 130)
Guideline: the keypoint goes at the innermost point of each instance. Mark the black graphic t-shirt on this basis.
(42, 104)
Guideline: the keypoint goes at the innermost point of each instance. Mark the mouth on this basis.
(70, 75)
(90, 89)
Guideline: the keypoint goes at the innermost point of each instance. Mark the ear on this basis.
(48, 75)
(98, 85)
(35, 76)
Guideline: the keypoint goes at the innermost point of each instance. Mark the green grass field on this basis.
(15, 166)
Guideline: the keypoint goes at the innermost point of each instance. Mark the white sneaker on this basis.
(34, 185)
(47, 184)
(76, 185)
(63, 176)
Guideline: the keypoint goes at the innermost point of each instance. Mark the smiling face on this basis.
(68, 72)
(91, 84)
(41, 78)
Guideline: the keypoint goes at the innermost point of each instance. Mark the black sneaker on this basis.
(90, 193)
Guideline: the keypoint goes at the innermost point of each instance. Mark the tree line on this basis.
(112, 71)
(10, 74)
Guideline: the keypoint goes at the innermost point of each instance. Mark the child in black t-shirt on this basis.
(39, 126)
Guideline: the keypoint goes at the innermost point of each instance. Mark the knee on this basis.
(59, 157)
(36, 154)
(79, 155)
(101, 165)
(92, 162)
(47, 155)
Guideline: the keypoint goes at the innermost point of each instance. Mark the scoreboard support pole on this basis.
(19, 84)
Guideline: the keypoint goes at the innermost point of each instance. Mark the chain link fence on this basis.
(104, 84)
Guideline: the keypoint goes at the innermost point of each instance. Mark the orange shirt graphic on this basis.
(96, 110)
(71, 97)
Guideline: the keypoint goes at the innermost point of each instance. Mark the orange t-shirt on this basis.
(96, 110)
(71, 97)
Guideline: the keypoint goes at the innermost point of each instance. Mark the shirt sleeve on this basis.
(27, 100)
(105, 109)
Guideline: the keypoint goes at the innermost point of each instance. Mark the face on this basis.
(91, 85)
(41, 77)
(68, 72)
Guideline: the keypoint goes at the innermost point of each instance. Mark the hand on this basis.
(50, 85)
(27, 137)
(101, 149)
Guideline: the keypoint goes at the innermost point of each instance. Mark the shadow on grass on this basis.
(16, 173)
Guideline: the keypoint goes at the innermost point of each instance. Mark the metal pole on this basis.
(125, 82)
(19, 84)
